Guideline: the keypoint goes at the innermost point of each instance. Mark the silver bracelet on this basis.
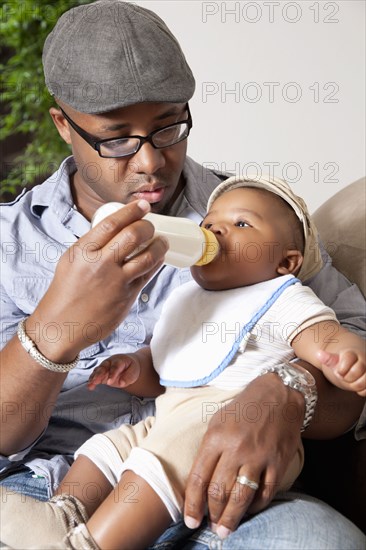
(31, 348)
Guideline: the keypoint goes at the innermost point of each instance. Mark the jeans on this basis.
(23, 481)
(293, 521)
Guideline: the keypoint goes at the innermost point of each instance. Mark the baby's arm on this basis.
(132, 372)
(340, 354)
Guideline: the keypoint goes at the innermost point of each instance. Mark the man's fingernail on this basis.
(144, 205)
(223, 532)
(213, 526)
(191, 523)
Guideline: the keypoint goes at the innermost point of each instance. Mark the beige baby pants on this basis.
(174, 435)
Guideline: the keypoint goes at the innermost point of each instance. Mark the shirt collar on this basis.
(55, 195)
(55, 192)
(200, 182)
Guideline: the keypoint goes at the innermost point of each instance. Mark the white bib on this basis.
(200, 330)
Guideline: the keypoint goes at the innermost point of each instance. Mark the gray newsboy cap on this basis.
(111, 54)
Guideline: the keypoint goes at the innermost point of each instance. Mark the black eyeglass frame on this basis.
(96, 143)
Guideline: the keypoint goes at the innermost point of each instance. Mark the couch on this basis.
(340, 477)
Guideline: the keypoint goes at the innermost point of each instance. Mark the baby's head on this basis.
(264, 231)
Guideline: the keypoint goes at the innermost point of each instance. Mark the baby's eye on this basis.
(207, 225)
(241, 223)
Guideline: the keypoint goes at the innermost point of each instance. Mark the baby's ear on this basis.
(291, 262)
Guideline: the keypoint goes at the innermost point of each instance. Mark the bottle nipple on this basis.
(211, 248)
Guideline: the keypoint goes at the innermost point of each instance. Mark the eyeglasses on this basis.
(122, 147)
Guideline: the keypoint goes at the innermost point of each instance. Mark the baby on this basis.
(243, 313)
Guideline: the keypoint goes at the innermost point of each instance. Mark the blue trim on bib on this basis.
(226, 361)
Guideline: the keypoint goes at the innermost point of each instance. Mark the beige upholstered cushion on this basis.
(341, 222)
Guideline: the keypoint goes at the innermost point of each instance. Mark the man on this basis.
(123, 108)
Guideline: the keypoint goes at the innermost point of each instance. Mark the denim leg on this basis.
(293, 521)
(24, 482)
(175, 537)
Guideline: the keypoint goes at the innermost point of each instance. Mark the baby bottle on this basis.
(189, 244)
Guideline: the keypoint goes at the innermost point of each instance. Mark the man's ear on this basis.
(61, 124)
(291, 262)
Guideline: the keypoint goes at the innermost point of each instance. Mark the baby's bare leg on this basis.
(87, 483)
(132, 516)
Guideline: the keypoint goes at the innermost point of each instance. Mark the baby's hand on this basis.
(349, 366)
(119, 371)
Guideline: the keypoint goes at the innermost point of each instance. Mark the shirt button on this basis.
(144, 297)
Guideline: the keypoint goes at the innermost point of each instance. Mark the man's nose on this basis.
(148, 160)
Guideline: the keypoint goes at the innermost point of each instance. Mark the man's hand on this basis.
(95, 283)
(256, 435)
(119, 371)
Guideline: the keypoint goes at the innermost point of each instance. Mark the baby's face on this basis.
(252, 229)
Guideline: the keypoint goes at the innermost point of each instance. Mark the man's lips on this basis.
(151, 195)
